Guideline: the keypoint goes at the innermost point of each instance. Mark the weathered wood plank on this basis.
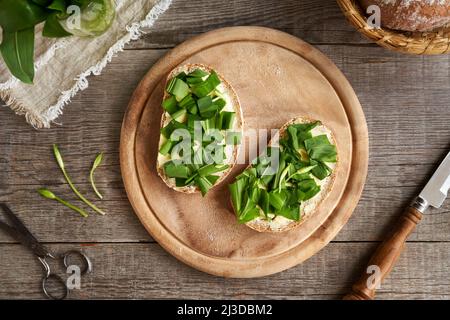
(406, 100)
(409, 132)
(147, 271)
(318, 22)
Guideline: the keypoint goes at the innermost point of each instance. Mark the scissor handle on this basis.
(49, 276)
(58, 279)
(87, 264)
(52, 277)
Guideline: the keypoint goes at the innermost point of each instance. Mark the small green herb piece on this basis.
(227, 120)
(220, 103)
(211, 169)
(171, 127)
(166, 147)
(292, 213)
(208, 124)
(237, 192)
(264, 201)
(97, 162)
(198, 73)
(277, 199)
(50, 195)
(170, 105)
(213, 179)
(180, 116)
(319, 148)
(178, 88)
(249, 212)
(206, 87)
(176, 171)
(188, 102)
(206, 107)
(60, 162)
(204, 184)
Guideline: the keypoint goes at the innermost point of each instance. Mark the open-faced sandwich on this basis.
(201, 129)
(287, 183)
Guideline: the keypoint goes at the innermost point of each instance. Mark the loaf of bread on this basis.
(412, 15)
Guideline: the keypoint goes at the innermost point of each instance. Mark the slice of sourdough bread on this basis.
(309, 207)
(231, 151)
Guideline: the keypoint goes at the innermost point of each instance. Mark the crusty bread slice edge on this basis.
(239, 124)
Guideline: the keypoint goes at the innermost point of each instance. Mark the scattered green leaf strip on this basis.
(50, 195)
(60, 162)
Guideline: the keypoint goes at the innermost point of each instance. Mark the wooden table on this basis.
(406, 100)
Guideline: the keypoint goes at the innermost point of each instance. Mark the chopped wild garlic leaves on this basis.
(283, 177)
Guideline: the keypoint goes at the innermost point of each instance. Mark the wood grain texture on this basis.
(406, 102)
(146, 271)
(317, 22)
(385, 257)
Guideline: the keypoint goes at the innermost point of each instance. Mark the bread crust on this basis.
(412, 15)
(265, 226)
(238, 127)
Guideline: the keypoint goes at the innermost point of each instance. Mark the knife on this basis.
(386, 255)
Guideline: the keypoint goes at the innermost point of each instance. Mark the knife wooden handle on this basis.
(385, 257)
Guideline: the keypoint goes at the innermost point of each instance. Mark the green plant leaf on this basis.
(292, 213)
(264, 201)
(97, 162)
(53, 29)
(321, 171)
(237, 190)
(50, 195)
(42, 3)
(18, 15)
(204, 184)
(17, 50)
(60, 162)
(319, 148)
(249, 212)
(58, 5)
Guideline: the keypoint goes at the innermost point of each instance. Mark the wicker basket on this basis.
(420, 43)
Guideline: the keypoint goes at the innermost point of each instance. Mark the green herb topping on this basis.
(195, 138)
(283, 177)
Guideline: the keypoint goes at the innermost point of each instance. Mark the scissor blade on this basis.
(436, 190)
(21, 233)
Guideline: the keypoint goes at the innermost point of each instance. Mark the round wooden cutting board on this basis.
(277, 77)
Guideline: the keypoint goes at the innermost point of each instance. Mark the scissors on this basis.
(18, 230)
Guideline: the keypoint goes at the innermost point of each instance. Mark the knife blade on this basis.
(436, 190)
